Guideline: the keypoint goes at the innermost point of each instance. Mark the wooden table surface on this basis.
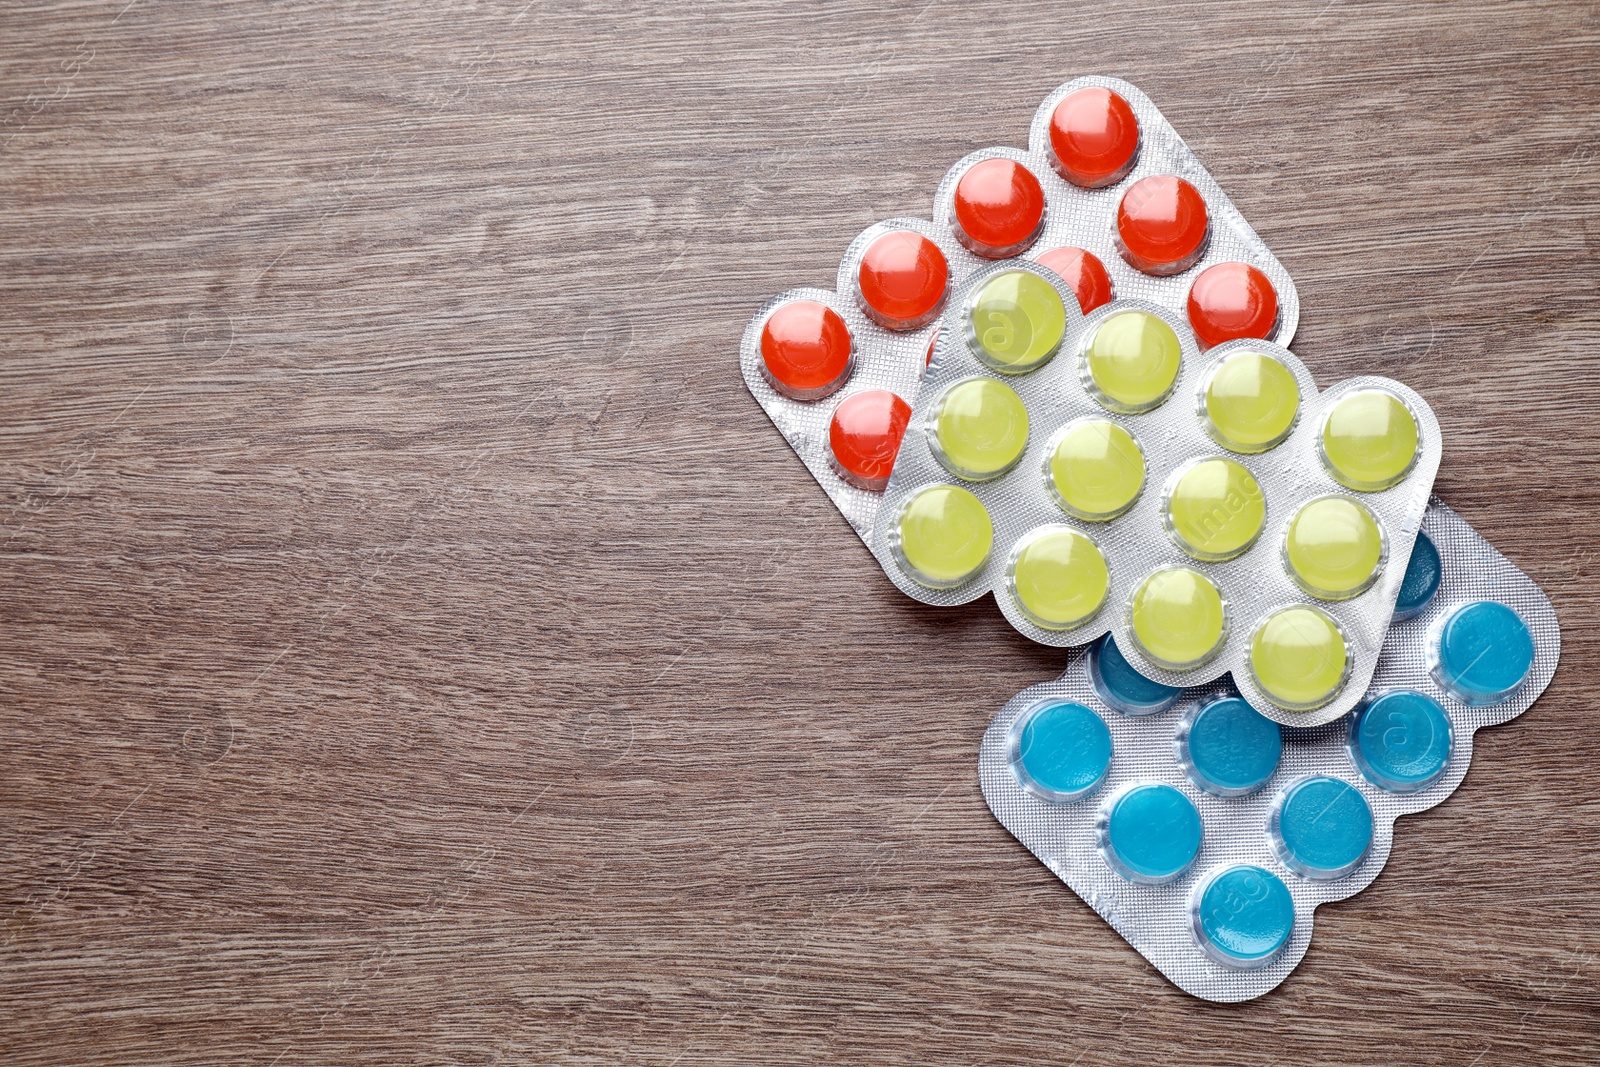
(418, 648)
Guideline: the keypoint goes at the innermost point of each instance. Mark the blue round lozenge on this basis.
(1401, 741)
(1124, 688)
(1228, 748)
(1150, 833)
(1321, 827)
(1481, 653)
(1242, 916)
(1061, 751)
(1421, 582)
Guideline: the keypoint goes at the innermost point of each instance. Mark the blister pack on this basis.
(1206, 834)
(1107, 196)
(1212, 510)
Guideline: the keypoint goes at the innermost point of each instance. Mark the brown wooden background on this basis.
(416, 646)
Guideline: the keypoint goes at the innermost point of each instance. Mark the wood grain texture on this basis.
(418, 648)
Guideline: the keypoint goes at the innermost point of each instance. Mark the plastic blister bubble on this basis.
(1074, 217)
(1319, 824)
(1227, 541)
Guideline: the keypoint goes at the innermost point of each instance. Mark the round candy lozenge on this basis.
(1060, 751)
(1095, 468)
(902, 280)
(806, 351)
(998, 208)
(864, 437)
(1162, 225)
(1084, 274)
(1320, 827)
(978, 428)
(1178, 618)
(1094, 138)
(1421, 581)
(1227, 747)
(1401, 741)
(1015, 322)
(1122, 687)
(1481, 653)
(1058, 577)
(1232, 300)
(1299, 658)
(1214, 509)
(1150, 834)
(1369, 440)
(942, 536)
(1242, 916)
(1334, 548)
(1249, 402)
(1131, 362)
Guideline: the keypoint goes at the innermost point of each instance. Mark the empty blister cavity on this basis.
(1242, 916)
(1061, 751)
(1228, 748)
(1321, 827)
(1150, 833)
(1292, 818)
(1400, 740)
(1121, 687)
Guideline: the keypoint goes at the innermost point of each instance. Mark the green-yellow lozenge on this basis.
(1058, 577)
(1299, 658)
(1214, 509)
(979, 428)
(1095, 468)
(1178, 618)
(942, 536)
(1131, 362)
(1250, 402)
(1334, 547)
(1016, 322)
(1369, 440)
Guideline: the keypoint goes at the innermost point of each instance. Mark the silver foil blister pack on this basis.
(1208, 849)
(891, 360)
(1234, 520)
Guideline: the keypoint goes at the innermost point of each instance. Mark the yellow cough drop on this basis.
(942, 536)
(1016, 322)
(1131, 362)
(1215, 509)
(1095, 469)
